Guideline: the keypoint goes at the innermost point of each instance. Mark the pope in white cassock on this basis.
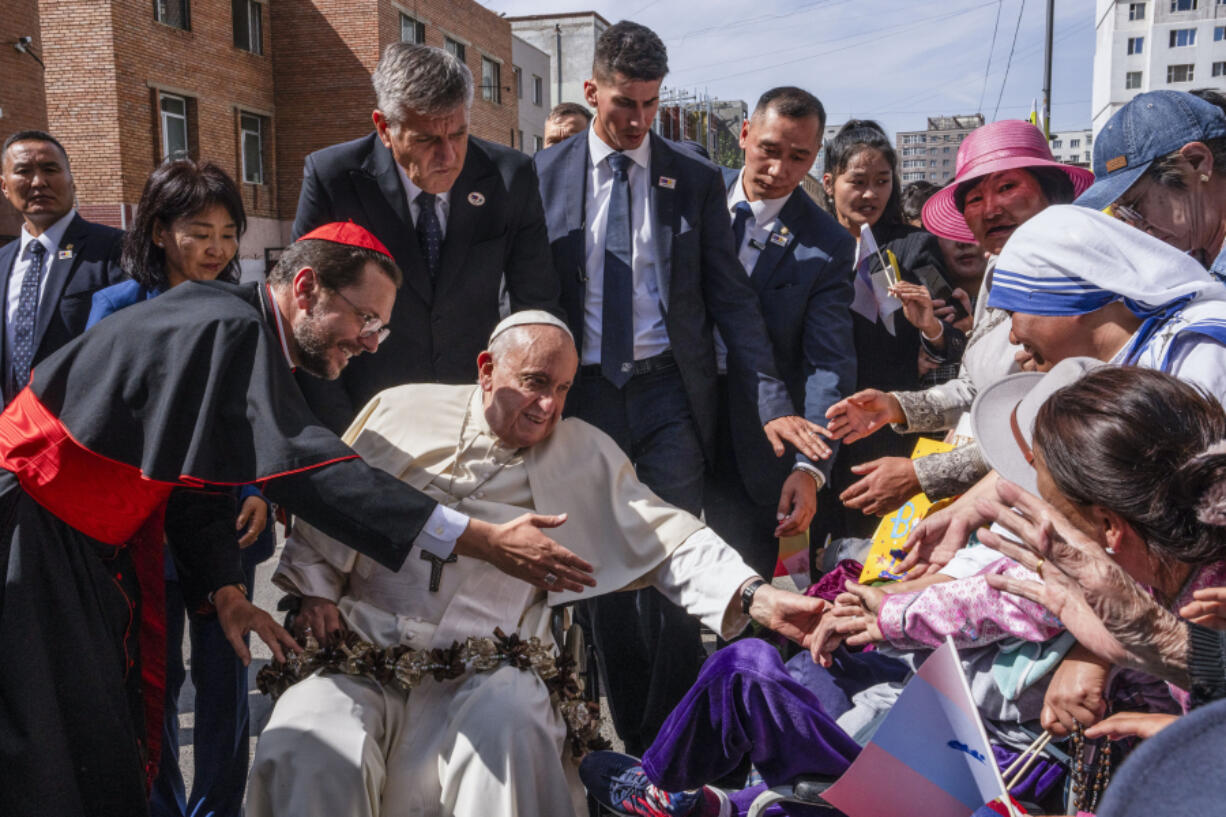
(486, 744)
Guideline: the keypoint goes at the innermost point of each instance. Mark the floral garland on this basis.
(403, 668)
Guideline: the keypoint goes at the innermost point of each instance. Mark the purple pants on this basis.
(745, 703)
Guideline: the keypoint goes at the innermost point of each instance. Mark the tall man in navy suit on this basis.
(799, 262)
(458, 214)
(643, 247)
(54, 267)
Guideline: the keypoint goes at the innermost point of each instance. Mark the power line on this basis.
(1009, 62)
(987, 69)
(877, 35)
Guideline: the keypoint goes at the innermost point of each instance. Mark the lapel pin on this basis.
(667, 183)
(476, 199)
(783, 230)
(779, 238)
(756, 244)
(64, 254)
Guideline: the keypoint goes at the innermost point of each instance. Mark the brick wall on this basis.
(22, 102)
(110, 60)
(204, 66)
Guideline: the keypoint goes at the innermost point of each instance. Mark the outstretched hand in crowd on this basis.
(856, 417)
(884, 486)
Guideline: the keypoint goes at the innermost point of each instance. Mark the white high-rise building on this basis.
(1072, 147)
(1154, 44)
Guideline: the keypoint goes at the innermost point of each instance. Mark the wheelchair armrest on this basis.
(809, 788)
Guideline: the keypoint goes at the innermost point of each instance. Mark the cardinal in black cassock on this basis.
(130, 434)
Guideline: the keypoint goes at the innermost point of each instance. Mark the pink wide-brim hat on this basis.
(1004, 145)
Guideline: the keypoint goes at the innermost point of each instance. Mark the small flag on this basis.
(872, 298)
(667, 183)
(930, 749)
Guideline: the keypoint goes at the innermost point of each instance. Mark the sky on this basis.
(897, 61)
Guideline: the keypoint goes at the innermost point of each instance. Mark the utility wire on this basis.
(987, 69)
(1009, 62)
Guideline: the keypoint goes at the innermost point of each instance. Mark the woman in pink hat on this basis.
(1005, 175)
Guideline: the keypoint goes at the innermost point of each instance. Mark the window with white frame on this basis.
(491, 81)
(1074, 143)
(518, 74)
(1136, 11)
(1136, 45)
(175, 13)
(174, 127)
(412, 30)
(251, 140)
(538, 144)
(1219, 33)
(1183, 5)
(538, 90)
(1132, 80)
(248, 16)
(1183, 37)
(1219, 69)
(455, 48)
(1180, 73)
(1057, 144)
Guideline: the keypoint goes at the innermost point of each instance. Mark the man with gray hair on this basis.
(486, 741)
(458, 214)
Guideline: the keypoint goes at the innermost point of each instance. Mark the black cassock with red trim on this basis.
(182, 394)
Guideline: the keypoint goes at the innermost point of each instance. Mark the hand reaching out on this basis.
(1208, 608)
(253, 515)
(858, 416)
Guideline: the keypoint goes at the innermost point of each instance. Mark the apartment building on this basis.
(928, 155)
(1154, 44)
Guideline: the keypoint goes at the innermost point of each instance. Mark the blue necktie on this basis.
(743, 214)
(429, 231)
(23, 321)
(617, 315)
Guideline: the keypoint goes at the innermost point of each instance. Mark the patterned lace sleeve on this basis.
(937, 408)
(970, 610)
(951, 472)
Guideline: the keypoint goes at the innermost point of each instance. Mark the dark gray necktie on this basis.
(24, 319)
(617, 315)
(743, 214)
(429, 231)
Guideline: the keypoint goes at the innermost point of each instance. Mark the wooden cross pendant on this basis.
(436, 568)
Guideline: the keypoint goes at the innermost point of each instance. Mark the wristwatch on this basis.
(747, 594)
(1206, 664)
(242, 588)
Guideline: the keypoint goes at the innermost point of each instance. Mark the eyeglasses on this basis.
(372, 326)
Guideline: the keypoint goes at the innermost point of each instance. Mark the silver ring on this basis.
(550, 578)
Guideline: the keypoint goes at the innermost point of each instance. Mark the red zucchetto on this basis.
(346, 232)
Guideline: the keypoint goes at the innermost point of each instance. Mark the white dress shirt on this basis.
(50, 239)
(764, 220)
(442, 202)
(650, 334)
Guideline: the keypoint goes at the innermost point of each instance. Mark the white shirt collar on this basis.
(599, 150)
(764, 210)
(51, 237)
(412, 191)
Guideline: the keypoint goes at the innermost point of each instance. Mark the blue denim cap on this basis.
(1149, 127)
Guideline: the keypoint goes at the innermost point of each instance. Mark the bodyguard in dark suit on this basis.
(799, 263)
(640, 237)
(52, 270)
(458, 213)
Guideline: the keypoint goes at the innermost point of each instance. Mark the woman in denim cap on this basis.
(1160, 164)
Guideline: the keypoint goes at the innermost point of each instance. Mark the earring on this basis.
(1204, 177)
(1110, 551)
